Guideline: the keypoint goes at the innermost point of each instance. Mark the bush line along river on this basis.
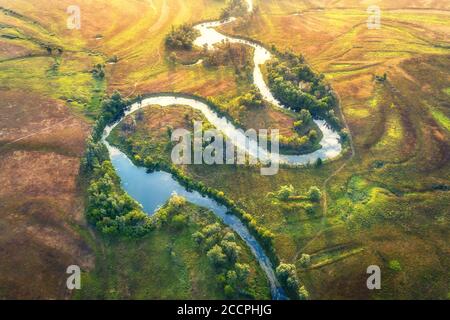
(152, 190)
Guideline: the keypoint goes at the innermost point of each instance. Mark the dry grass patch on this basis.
(41, 207)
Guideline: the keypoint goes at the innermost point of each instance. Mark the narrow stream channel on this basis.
(152, 190)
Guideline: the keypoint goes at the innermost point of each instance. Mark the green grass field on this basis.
(167, 264)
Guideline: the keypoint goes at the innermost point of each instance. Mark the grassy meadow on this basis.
(394, 186)
(166, 264)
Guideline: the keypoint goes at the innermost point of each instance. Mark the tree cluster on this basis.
(109, 208)
(231, 54)
(112, 109)
(295, 85)
(98, 71)
(223, 253)
(112, 210)
(287, 274)
(252, 99)
(181, 37)
(171, 214)
(289, 193)
(234, 8)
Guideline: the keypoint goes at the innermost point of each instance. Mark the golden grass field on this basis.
(397, 180)
(399, 123)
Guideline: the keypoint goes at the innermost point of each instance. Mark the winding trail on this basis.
(35, 133)
(324, 202)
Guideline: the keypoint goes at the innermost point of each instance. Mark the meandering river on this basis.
(152, 190)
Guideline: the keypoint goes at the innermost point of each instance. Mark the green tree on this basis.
(211, 229)
(303, 294)
(284, 193)
(318, 163)
(310, 210)
(242, 271)
(231, 249)
(179, 221)
(232, 278)
(198, 237)
(305, 260)
(181, 37)
(252, 99)
(284, 271)
(173, 57)
(395, 265)
(229, 236)
(288, 277)
(305, 116)
(313, 136)
(234, 8)
(314, 194)
(229, 291)
(216, 256)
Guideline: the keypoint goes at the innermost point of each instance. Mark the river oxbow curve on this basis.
(137, 182)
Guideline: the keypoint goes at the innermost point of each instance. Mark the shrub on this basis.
(287, 275)
(229, 291)
(395, 265)
(179, 221)
(305, 260)
(232, 278)
(314, 194)
(216, 256)
(309, 209)
(286, 73)
(242, 271)
(98, 71)
(234, 8)
(198, 237)
(285, 271)
(231, 249)
(303, 294)
(318, 163)
(284, 193)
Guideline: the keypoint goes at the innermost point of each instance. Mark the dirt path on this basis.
(325, 185)
(35, 133)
